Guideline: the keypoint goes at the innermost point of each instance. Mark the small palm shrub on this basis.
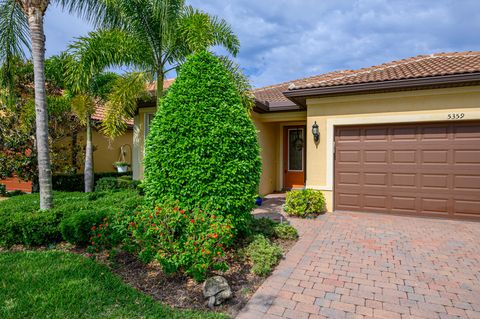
(305, 202)
(263, 254)
(202, 149)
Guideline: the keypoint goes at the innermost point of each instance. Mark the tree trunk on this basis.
(160, 80)
(89, 174)
(35, 13)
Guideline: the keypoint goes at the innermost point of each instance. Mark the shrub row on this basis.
(22, 223)
(75, 182)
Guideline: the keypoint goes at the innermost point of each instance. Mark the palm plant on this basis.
(17, 19)
(151, 36)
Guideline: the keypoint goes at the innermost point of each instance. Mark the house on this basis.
(402, 137)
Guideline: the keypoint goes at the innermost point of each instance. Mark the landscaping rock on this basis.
(217, 290)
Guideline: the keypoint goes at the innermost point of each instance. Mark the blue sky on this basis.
(284, 40)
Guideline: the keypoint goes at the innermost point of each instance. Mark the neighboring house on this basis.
(106, 152)
(401, 137)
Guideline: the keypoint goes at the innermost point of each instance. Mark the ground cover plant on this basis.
(66, 285)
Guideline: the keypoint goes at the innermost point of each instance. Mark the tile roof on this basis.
(421, 66)
(416, 67)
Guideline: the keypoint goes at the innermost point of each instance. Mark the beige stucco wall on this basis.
(399, 107)
(106, 151)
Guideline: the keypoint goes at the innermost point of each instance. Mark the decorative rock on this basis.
(217, 290)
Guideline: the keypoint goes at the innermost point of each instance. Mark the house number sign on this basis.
(456, 116)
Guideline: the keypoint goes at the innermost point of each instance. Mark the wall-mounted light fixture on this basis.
(315, 132)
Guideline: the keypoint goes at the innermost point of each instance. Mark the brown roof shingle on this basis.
(421, 66)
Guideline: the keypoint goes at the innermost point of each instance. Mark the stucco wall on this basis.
(398, 107)
(269, 150)
(106, 151)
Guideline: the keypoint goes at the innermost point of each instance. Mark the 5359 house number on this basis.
(456, 116)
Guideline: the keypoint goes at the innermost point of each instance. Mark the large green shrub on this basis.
(305, 202)
(202, 149)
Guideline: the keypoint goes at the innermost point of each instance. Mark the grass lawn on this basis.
(51, 284)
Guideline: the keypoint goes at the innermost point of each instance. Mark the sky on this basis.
(284, 40)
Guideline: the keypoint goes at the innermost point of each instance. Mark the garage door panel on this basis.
(437, 133)
(375, 179)
(435, 181)
(380, 156)
(434, 205)
(404, 180)
(404, 203)
(375, 202)
(423, 169)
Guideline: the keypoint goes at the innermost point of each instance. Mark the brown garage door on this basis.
(420, 169)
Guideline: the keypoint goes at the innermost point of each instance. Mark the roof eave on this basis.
(300, 96)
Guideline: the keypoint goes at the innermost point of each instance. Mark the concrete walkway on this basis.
(358, 265)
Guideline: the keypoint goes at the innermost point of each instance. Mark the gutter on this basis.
(299, 96)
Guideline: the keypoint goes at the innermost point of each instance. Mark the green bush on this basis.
(75, 182)
(263, 254)
(202, 149)
(191, 242)
(21, 222)
(284, 231)
(272, 229)
(77, 228)
(3, 190)
(305, 202)
(114, 184)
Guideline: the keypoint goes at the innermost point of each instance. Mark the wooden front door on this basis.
(294, 157)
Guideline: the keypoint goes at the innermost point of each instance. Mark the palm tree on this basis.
(16, 15)
(150, 36)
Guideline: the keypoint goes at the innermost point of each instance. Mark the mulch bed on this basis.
(183, 292)
(174, 290)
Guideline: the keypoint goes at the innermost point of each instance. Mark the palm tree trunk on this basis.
(89, 174)
(160, 80)
(35, 11)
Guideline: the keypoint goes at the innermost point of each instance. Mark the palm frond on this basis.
(83, 105)
(241, 82)
(122, 102)
(103, 49)
(14, 41)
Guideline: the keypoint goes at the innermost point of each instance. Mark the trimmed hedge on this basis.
(75, 183)
(202, 149)
(21, 221)
(116, 183)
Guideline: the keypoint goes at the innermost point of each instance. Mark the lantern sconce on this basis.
(315, 132)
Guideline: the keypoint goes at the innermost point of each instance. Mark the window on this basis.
(295, 149)
(148, 120)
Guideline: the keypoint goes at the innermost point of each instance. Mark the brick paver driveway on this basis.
(357, 265)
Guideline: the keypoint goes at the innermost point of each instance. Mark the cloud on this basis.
(285, 40)
(282, 40)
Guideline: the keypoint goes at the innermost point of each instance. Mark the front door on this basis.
(294, 157)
